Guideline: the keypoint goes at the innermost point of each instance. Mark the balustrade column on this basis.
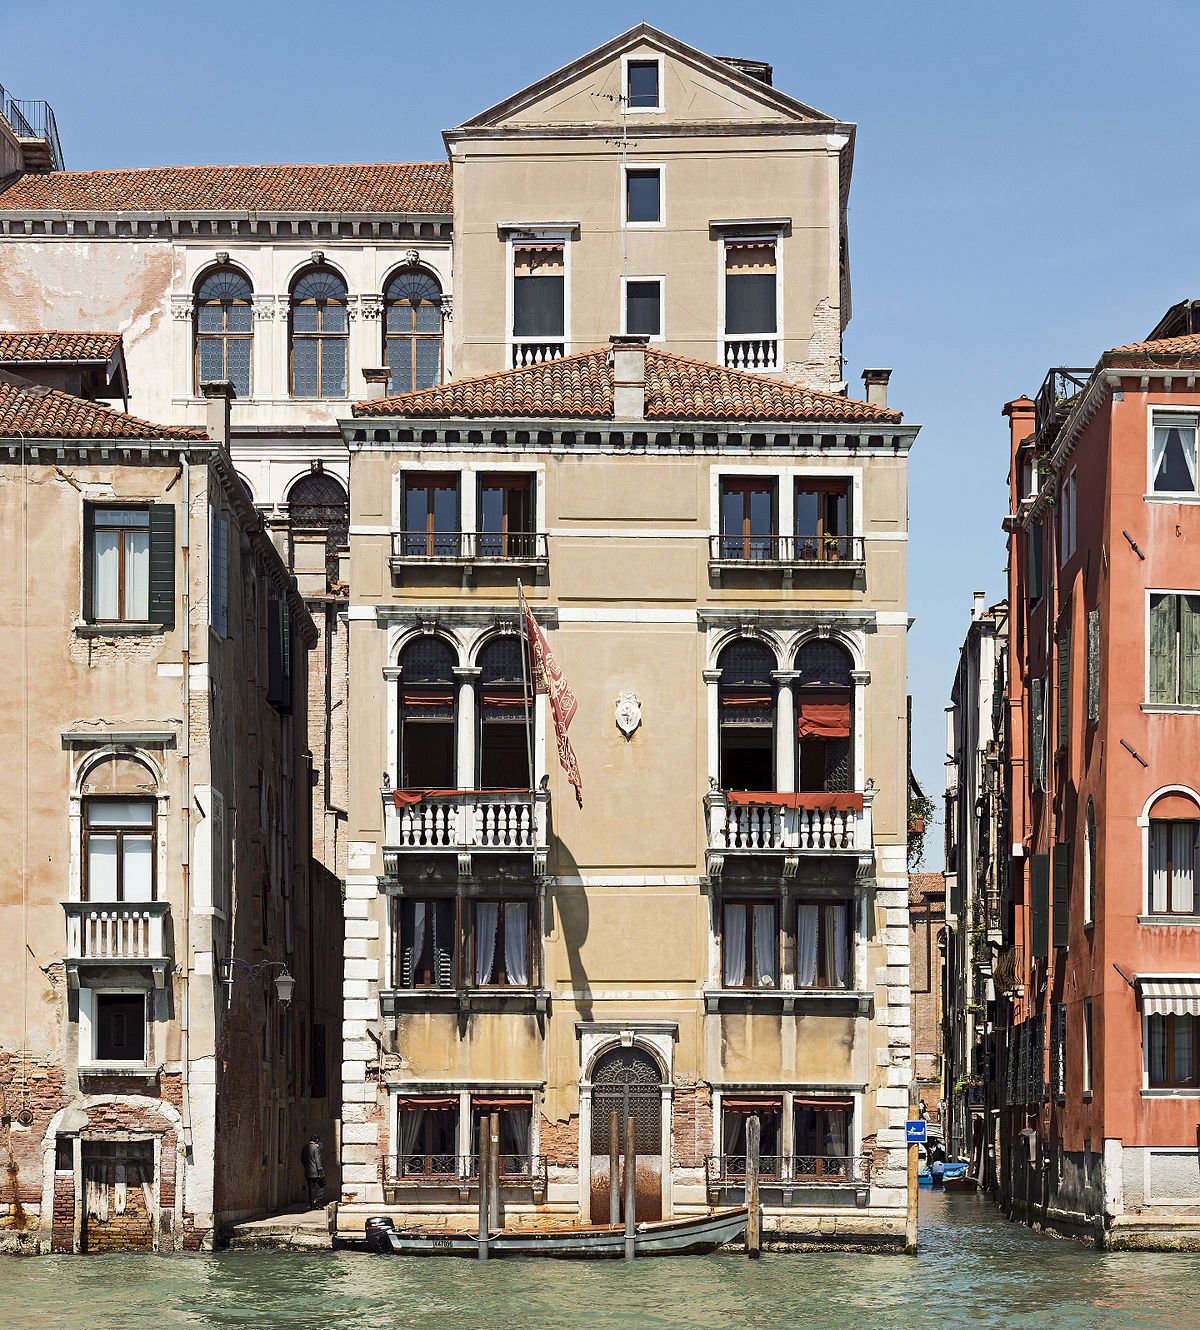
(465, 733)
(785, 730)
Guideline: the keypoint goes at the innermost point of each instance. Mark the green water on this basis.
(975, 1270)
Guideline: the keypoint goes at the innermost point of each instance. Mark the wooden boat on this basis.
(666, 1237)
(960, 1182)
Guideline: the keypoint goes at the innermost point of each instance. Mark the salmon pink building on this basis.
(1098, 984)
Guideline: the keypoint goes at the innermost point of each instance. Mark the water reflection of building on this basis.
(1099, 980)
(718, 561)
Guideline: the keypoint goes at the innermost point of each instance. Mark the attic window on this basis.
(643, 86)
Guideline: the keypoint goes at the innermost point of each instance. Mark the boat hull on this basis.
(682, 1237)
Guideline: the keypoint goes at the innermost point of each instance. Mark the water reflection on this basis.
(975, 1269)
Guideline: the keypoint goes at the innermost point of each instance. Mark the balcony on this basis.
(758, 355)
(788, 1173)
(1056, 397)
(468, 549)
(825, 554)
(536, 350)
(125, 934)
(786, 826)
(33, 123)
(410, 1172)
(464, 823)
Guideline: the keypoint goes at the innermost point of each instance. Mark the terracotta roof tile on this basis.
(387, 187)
(45, 413)
(1167, 346)
(922, 885)
(581, 387)
(22, 348)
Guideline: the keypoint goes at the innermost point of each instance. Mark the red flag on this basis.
(548, 678)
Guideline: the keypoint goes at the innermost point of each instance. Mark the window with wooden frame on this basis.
(750, 944)
(515, 1114)
(427, 712)
(746, 715)
(118, 849)
(1173, 855)
(821, 1137)
(120, 564)
(502, 740)
(412, 331)
(224, 330)
(427, 1136)
(1173, 468)
(642, 91)
(824, 718)
(431, 516)
(425, 942)
(506, 517)
(1174, 1047)
(643, 194)
(824, 944)
(319, 334)
(749, 521)
(1175, 649)
(539, 290)
(822, 520)
(502, 943)
(751, 294)
(736, 1112)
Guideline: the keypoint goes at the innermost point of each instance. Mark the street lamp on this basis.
(285, 984)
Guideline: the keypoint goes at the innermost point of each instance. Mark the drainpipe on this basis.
(185, 858)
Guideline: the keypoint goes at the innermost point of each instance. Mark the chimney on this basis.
(220, 397)
(977, 610)
(629, 376)
(377, 382)
(876, 383)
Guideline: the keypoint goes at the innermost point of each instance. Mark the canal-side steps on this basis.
(296, 1229)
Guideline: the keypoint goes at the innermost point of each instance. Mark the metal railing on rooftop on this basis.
(1055, 398)
(33, 119)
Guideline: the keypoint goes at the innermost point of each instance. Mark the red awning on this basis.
(752, 1106)
(799, 1101)
(823, 716)
(814, 799)
(508, 1105)
(501, 699)
(746, 698)
(413, 1103)
(407, 798)
(427, 697)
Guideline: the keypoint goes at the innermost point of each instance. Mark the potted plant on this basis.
(833, 549)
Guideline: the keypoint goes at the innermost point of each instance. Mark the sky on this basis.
(1025, 189)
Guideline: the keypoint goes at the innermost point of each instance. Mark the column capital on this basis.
(785, 676)
(861, 676)
(466, 673)
(712, 676)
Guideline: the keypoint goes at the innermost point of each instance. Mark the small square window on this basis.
(64, 1154)
(642, 88)
(643, 194)
(120, 557)
(643, 306)
(1173, 455)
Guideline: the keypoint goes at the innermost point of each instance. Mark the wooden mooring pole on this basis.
(614, 1168)
(485, 1134)
(753, 1217)
(494, 1171)
(910, 1223)
(630, 1186)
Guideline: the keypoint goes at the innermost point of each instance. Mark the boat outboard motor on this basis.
(377, 1230)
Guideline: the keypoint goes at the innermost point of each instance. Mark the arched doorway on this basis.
(629, 1082)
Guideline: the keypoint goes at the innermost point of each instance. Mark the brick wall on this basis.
(692, 1125)
(560, 1141)
(132, 1230)
(62, 1234)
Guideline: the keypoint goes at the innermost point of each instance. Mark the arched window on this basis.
(224, 329)
(318, 335)
(824, 711)
(427, 715)
(747, 715)
(317, 502)
(628, 1081)
(503, 733)
(119, 825)
(1089, 862)
(412, 338)
(1174, 842)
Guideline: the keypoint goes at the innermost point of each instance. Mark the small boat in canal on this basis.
(667, 1237)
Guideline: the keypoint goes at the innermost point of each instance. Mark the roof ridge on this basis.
(766, 378)
(226, 166)
(86, 407)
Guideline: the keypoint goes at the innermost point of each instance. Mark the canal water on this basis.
(975, 1270)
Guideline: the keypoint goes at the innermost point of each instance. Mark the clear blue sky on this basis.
(1024, 187)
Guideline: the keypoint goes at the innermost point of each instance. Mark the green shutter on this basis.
(1040, 904)
(89, 561)
(1093, 663)
(274, 649)
(1189, 650)
(162, 564)
(1064, 689)
(1038, 702)
(1162, 649)
(1062, 893)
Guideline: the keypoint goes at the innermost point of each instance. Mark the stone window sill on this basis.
(1169, 920)
(119, 629)
(788, 1000)
(1166, 1092)
(1169, 709)
(135, 1072)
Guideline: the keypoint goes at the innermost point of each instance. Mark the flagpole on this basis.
(525, 685)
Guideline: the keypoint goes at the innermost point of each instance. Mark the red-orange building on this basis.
(1099, 986)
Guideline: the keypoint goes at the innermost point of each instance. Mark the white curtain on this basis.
(1184, 439)
(408, 1133)
(837, 958)
(418, 941)
(107, 575)
(517, 1122)
(807, 917)
(139, 868)
(487, 915)
(102, 868)
(766, 947)
(1183, 843)
(516, 943)
(137, 575)
(1158, 867)
(734, 947)
(837, 1131)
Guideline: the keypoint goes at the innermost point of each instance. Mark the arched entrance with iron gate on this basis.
(627, 1080)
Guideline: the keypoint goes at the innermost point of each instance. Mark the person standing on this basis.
(314, 1172)
(937, 1164)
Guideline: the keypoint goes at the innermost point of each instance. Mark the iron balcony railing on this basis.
(766, 551)
(33, 119)
(790, 1170)
(424, 547)
(449, 1170)
(1057, 395)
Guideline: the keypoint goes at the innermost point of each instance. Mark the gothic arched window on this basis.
(747, 715)
(318, 502)
(224, 329)
(412, 337)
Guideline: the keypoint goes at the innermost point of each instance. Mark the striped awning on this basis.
(1170, 997)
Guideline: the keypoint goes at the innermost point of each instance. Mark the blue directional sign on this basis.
(914, 1131)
